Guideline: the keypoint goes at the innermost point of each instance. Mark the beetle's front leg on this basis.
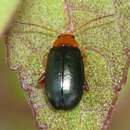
(41, 81)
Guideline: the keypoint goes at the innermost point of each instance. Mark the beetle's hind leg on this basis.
(85, 86)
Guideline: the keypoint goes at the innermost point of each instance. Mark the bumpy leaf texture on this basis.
(102, 29)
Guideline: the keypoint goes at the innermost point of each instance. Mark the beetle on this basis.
(64, 76)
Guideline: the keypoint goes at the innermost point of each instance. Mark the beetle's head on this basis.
(65, 40)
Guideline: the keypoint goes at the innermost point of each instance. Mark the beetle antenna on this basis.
(28, 32)
(107, 23)
(36, 25)
(98, 18)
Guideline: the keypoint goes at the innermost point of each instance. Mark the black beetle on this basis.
(64, 74)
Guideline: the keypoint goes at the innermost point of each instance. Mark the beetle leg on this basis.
(83, 50)
(85, 86)
(84, 54)
(41, 81)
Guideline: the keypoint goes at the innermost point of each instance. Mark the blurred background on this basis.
(15, 112)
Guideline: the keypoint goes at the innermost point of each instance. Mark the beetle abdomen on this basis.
(64, 77)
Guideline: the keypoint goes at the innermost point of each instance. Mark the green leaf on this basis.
(103, 27)
(7, 9)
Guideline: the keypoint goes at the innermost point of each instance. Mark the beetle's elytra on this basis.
(64, 74)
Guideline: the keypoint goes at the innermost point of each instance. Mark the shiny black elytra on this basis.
(64, 74)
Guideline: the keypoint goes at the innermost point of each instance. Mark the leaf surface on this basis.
(102, 29)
